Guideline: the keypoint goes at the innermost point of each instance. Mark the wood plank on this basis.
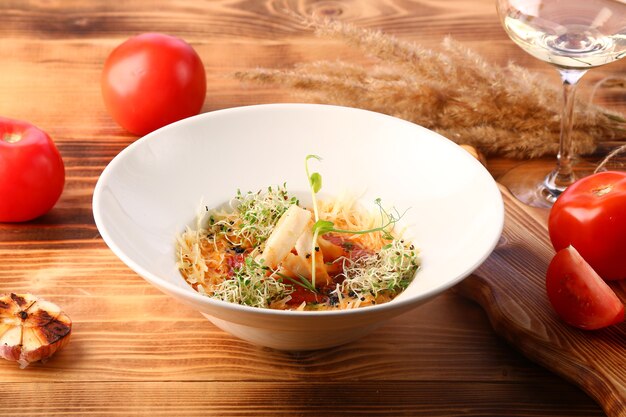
(228, 18)
(292, 399)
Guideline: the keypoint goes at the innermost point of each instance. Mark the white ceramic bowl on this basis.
(154, 188)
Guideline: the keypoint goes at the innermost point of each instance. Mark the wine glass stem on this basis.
(563, 175)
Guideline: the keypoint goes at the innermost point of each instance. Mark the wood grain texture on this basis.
(510, 286)
(291, 399)
(136, 352)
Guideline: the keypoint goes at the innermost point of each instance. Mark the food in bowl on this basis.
(266, 250)
(150, 192)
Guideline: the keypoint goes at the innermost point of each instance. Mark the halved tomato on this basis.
(578, 294)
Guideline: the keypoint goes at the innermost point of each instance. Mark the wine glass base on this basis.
(527, 182)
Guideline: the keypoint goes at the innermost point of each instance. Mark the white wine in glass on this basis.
(574, 36)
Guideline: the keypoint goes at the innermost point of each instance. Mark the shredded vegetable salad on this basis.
(266, 250)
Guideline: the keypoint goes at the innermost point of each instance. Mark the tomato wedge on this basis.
(578, 294)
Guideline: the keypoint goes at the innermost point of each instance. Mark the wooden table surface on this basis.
(135, 351)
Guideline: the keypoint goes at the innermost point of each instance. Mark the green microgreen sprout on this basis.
(325, 226)
(390, 270)
(254, 216)
(251, 285)
(301, 281)
(315, 183)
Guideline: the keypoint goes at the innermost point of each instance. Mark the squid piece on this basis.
(305, 241)
(285, 235)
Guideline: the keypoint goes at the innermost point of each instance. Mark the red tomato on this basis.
(32, 174)
(578, 294)
(301, 294)
(591, 216)
(152, 80)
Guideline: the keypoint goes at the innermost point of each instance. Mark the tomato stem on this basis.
(12, 137)
(603, 190)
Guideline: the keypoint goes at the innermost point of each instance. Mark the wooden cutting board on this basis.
(510, 286)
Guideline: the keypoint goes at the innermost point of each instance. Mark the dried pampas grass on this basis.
(454, 91)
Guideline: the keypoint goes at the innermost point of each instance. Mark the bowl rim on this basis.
(191, 296)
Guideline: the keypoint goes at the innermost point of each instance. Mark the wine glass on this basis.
(573, 36)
